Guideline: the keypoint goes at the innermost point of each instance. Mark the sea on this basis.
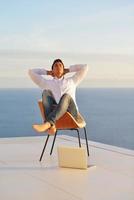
(108, 112)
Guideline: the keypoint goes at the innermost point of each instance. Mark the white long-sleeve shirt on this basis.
(62, 85)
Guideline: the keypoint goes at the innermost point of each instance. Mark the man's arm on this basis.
(36, 76)
(80, 72)
(50, 73)
(66, 70)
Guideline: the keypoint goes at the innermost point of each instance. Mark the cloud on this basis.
(108, 31)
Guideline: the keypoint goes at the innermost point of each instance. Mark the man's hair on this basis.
(57, 60)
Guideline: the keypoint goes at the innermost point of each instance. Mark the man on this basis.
(58, 93)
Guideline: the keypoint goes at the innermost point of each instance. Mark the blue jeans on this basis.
(54, 111)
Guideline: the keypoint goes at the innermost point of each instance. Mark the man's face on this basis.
(58, 70)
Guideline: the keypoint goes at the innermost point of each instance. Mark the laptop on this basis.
(72, 157)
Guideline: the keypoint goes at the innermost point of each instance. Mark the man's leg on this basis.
(48, 102)
(65, 104)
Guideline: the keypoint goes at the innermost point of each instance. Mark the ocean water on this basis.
(109, 114)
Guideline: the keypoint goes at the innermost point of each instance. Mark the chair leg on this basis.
(44, 148)
(86, 140)
(53, 143)
(78, 137)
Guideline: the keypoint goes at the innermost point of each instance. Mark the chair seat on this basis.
(67, 121)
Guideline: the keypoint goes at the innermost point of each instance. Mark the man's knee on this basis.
(46, 93)
(66, 96)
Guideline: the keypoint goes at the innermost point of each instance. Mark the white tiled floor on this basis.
(22, 176)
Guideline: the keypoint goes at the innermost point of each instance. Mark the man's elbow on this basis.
(86, 67)
(30, 72)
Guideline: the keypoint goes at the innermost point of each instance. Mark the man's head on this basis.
(58, 68)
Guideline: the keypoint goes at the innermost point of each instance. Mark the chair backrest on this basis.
(66, 121)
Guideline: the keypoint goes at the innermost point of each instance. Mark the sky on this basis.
(99, 33)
